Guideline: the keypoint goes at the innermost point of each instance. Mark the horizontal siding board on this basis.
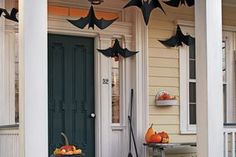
(182, 138)
(160, 34)
(172, 90)
(170, 129)
(163, 53)
(164, 119)
(172, 110)
(163, 72)
(161, 24)
(163, 62)
(164, 81)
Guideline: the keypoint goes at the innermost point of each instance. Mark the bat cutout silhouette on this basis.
(178, 39)
(146, 7)
(176, 3)
(10, 16)
(116, 50)
(92, 20)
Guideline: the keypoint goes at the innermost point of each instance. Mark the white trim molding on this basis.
(141, 84)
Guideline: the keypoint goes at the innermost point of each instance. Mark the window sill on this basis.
(188, 133)
(13, 126)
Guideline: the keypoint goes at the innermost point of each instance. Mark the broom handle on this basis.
(132, 133)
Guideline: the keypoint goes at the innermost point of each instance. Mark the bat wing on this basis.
(126, 53)
(188, 40)
(156, 4)
(147, 9)
(1, 11)
(102, 23)
(190, 2)
(171, 42)
(107, 52)
(12, 15)
(81, 23)
(137, 3)
(173, 3)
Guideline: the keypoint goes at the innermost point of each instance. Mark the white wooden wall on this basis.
(9, 143)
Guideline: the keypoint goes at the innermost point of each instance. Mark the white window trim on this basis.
(9, 48)
(228, 37)
(185, 127)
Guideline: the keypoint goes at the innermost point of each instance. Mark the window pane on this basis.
(224, 102)
(192, 51)
(192, 69)
(115, 91)
(16, 87)
(192, 92)
(224, 61)
(192, 112)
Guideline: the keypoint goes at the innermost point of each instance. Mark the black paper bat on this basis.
(178, 39)
(10, 16)
(116, 50)
(146, 7)
(176, 3)
(92, 20)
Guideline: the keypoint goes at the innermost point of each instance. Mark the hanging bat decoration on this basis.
(146, 7)
(178, 39)
(92, 20)
(116, 50)
(10, 16)
(176, 3)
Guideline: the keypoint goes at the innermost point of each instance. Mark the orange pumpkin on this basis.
(165, 137)
(149, 133)
(156, 138)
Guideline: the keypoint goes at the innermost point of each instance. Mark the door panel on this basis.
(71, 92)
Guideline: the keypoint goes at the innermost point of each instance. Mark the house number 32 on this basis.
(105, 81)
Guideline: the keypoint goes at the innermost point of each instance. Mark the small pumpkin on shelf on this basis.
(164, 137)
(155, 138)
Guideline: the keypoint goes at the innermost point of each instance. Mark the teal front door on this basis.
(71, 92)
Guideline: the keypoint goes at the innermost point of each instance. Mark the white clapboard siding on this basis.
(164, 72)
(9, 143)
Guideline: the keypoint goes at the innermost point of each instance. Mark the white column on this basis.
(208, 21)
(33, 78)
(140, 75)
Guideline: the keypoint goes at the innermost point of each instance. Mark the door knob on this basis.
(92, 115)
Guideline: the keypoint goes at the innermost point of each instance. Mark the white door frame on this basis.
(59, 25)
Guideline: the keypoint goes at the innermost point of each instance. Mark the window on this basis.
(188, 89)
(115, 90)
(117, 66)
(188, 84)
(9, 71)
(228, 74)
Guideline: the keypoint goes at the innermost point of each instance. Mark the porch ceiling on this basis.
(114, 4)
